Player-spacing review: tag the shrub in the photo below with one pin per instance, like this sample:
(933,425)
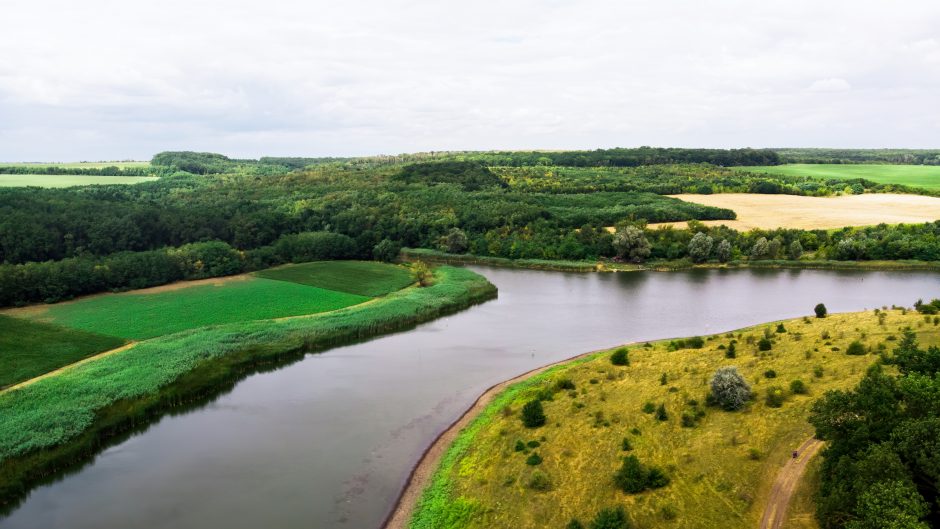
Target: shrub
(540,482)
(775,397)
(729,389)
(855,348)
(664,379)
(770,373)
(532,414)
(649,407)
(695,342)
(520,446)
(564,384)
(533,460)
(781,329)
(688,420)
(574,524)
(611,519)
(633,477)
(620,358)
(731,351)
(626,445)
(820,310)
(661,413)
(533,444)
(764,344)
(818,371)
(798,387)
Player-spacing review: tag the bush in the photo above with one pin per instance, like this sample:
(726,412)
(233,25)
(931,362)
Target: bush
(688,420)
(620,358)
(520,446)
(770,373)
(820,310)
(611,519)
(533,460)
(764,344)
(729,389)
(775,397)
(695,342)
(540,482)
(532,414)
(731,351)
(626,445)
(661,413)
(781,329)
(855,348)
(818,371)
(649,407)
(574,524)
(633,477)
(564,384)
(797,387)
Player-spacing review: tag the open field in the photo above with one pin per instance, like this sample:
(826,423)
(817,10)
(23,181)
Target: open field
(363,278)
(925,176)
(793,211)
(29,349)
(42,180)
(75,165)
(721,466)
(134,315)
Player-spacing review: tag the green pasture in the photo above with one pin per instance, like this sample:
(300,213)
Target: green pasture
(363,278)
(45,180)
(76,165)
(924,176)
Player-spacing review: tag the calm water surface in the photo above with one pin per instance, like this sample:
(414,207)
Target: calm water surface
(328,441)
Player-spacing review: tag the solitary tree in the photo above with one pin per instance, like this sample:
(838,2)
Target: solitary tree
(729,388)
(820,311)
(532,414)
(723,253)
(631,245)
(700,247)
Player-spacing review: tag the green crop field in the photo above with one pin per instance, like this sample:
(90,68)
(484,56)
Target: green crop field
(75,165)
(44,180)
(363,278)
(721,465)
(924,176)
(29,349)
(140,316)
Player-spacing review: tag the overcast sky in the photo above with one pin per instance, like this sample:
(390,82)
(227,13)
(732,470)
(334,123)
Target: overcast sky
(123,79)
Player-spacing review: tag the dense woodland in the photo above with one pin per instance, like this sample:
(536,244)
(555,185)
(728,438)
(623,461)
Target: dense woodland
(895,156)
(59,243)
(882,464)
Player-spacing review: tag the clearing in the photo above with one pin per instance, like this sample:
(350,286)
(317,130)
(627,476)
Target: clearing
(924,176)
(44,180)
(722,465)
(29,349)
(793,211)
(363,278)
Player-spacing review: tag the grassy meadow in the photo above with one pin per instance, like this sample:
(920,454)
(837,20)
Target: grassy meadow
(45,180)
(140,316)
(923,176)
(721,464)
(362,278)
(29,349)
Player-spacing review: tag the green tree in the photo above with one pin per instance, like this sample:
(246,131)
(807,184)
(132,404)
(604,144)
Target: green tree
(729,389)
(820,310)
(620,357)
(386,250)
(795,250)
(731,351)
(455,241)
(700,247)
(533,415)
(631,244)
(760,249)
(723,253)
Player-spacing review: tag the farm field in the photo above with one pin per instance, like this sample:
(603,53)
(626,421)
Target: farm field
(802,212)
(924,176)
(29,349)
(363,278)
(41,180)
(157,311)
(721,465)
(77,165)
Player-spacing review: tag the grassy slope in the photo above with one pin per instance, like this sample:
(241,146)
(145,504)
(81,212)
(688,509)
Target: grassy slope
(56,409)
(141,316)
(925,176)
(363,278)
(481,481)
(24,180)
(29,349)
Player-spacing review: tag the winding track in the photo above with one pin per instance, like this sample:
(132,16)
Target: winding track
(785,485)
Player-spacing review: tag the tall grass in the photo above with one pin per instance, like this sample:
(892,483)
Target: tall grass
(97,400)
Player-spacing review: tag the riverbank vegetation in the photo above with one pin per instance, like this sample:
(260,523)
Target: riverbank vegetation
(61,420)
(652,435)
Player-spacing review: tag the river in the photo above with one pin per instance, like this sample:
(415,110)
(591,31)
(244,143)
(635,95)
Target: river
(328,441)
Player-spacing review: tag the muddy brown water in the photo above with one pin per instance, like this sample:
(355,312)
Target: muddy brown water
(328,441)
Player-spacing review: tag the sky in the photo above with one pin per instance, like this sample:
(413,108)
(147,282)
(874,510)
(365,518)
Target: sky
(114,80)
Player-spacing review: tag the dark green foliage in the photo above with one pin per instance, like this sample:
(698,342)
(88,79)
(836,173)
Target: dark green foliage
(386,250)
(532,414)
(631,244)
(520,446)
(574,524)
(820,310)
(664,379)
(661,413)
(695,342)
(927,308)
(620,357)
(533,460)
(775,397)
(626,445)
(731,351)
(798,387)
(770,373)
(533,444)
(611,519)
(781,329)
(856,348)
(764,344)
(649,407)
(194,162)
(29,349)
(564,384)
(634,478)
(471,176)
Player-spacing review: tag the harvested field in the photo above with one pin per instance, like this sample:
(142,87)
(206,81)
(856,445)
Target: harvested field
(791,211)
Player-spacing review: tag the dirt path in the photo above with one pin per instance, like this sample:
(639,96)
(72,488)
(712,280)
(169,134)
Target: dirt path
(91,358)
(422,473)
(775,513)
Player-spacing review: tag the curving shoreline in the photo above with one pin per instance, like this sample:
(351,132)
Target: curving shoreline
(423,471)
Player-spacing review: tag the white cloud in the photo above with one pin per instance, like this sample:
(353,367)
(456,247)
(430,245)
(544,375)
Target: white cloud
(111,79)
